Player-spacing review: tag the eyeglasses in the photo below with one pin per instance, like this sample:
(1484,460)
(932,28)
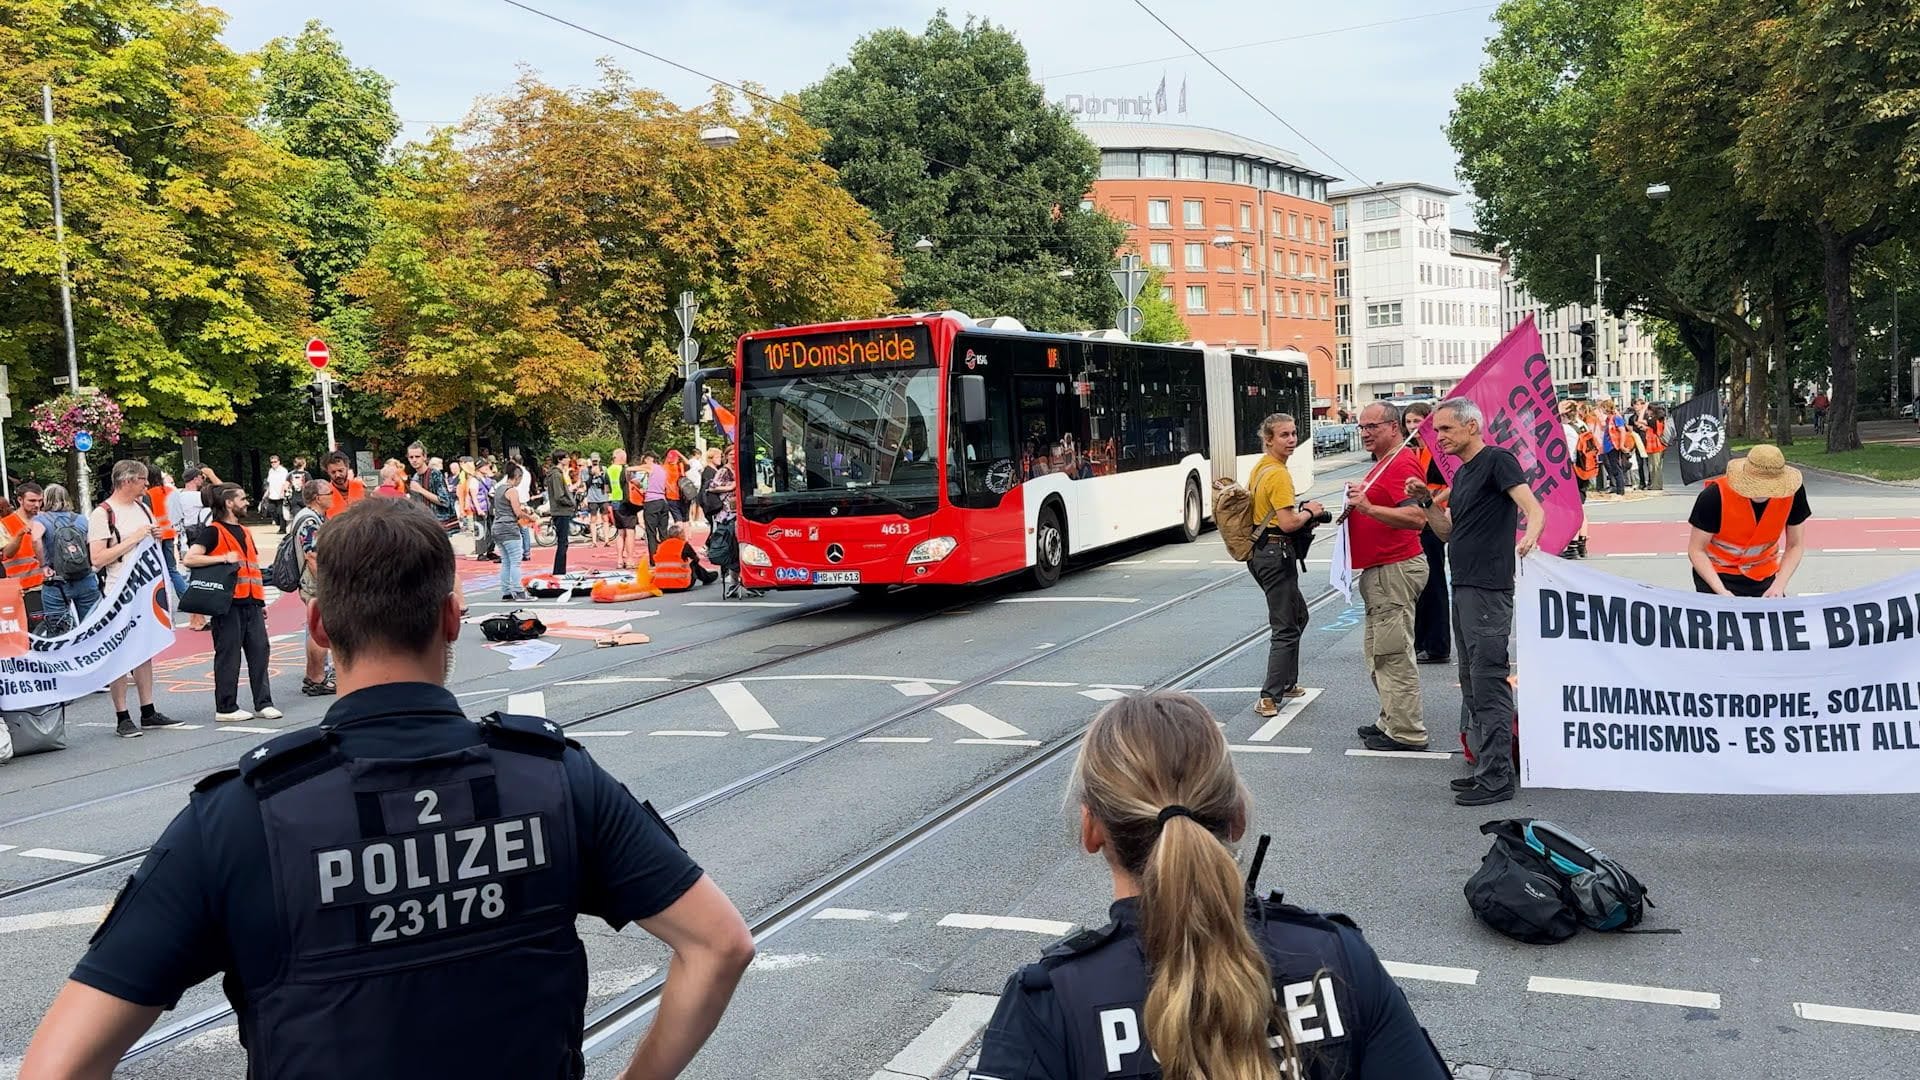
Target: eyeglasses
(1376,424)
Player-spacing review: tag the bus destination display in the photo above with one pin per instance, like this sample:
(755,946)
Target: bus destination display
(846,350)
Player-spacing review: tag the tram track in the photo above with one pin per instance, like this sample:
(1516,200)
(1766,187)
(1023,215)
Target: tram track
(640,1001)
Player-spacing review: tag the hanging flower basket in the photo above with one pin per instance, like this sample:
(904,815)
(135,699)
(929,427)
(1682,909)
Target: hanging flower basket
(55,422)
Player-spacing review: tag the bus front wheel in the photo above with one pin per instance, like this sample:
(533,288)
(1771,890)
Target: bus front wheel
(1049,549)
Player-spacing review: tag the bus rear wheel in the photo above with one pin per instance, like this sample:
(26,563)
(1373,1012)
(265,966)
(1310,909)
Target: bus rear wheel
(1049,549)
(1190,512)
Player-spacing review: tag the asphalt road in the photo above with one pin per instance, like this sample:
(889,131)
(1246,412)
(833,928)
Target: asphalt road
(1776,901)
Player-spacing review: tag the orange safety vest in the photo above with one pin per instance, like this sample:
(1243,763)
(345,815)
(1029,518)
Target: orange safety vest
(1747,546)
(1656,436)
(24,567)
(671,570)
(158,497)
(247,584)
(1425,458)
(1586,455)
(356,490)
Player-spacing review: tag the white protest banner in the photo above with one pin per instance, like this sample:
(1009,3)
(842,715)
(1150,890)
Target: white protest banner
(129,626)
(1625,686)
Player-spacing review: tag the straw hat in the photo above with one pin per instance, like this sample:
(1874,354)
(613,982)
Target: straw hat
(1763,474)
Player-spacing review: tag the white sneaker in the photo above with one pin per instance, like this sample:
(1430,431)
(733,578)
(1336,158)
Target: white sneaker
(234,717)
(269,713)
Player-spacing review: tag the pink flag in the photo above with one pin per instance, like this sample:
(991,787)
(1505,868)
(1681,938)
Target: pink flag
(1514,388)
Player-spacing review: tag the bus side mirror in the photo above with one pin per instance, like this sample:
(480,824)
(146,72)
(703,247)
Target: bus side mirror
(690,402)
(973,399)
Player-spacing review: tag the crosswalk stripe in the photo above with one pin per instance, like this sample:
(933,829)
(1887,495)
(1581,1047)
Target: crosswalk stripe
(742,707)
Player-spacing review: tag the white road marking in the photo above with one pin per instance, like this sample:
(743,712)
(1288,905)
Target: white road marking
(778,737)
(597,734)
(188,727)
(1910,549)
(1289,708)
(783,961)
(898,739)
(1023,682)
(609,981)
(609,679)
(1432,973)
(1836,1014)
(1116,686)
(277,638)
(965,921)
(694,734)
(1848,551)
(1181,562)
(60,855)
(840,914)
(41,920)
(915,689)
(532,703)
(6,847)
(1068,600)
(741,603)
(996,742)
(1102,694)
(1037,648)
(252,730)
(1226,562)
(1416,755)
(1652,995)
(847,678)
(1266,749)
(1128,562)
(742,707)
(980,722)
(480,693)
(1222,690)
(1633,554)
(932,1049)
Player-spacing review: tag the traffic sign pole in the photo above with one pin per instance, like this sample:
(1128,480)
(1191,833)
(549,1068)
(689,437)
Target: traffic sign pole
(326,408)
(1129,279)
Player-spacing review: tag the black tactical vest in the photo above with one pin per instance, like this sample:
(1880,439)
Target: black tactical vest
(1099,980)
(426,911)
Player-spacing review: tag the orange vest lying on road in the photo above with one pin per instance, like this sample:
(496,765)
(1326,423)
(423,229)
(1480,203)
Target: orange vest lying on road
(1745,545)
(247,585)
(24,567)
(671,570)
(612,592)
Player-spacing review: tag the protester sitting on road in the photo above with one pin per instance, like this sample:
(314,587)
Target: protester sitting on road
(509,535)
(1191,979)
(305,531)
(240,631)
(1739,522)
(470,966)
(675,552)
(67,595)
(120,524)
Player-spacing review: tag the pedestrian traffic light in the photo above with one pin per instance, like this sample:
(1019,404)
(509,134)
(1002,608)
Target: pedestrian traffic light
(1589,350)
(315,401)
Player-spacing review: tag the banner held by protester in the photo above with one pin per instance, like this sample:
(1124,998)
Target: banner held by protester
(1626,686)
(129,626)
(1513,386)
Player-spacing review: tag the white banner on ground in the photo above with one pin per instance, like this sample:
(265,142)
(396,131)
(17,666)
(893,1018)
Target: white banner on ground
(1628,687)
(129,626)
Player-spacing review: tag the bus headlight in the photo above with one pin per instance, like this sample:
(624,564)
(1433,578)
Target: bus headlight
(753,556)
(932,550)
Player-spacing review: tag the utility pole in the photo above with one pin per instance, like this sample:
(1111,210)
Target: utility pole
(66,283)
(1600,328)
(1893,364)
(689,307)
(1129,279)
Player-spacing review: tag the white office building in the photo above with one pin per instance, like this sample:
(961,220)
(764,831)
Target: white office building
(1416,302)
(1627,368)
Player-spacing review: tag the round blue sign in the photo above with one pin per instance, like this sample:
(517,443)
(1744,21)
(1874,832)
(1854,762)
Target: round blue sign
(83,441)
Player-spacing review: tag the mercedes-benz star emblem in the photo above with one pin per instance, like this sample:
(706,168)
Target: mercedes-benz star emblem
(834,553)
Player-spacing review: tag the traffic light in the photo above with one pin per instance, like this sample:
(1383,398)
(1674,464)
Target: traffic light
(1589,350)
(1621,332)
(315,401)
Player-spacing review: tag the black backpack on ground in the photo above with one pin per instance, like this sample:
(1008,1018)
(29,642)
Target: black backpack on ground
(1517,891)
(512,626)
(1605,896)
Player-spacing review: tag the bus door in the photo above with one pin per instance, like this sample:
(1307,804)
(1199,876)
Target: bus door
(983,481)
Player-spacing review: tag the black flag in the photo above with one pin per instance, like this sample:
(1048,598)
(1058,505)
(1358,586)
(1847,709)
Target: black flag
(1700,432)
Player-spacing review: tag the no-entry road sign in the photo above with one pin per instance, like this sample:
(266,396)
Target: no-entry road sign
(318,354)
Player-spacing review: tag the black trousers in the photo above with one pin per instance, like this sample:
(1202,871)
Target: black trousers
(656,518)
(562,531)
(1616,462)
(1432,633)
(242,631)
(1274,570)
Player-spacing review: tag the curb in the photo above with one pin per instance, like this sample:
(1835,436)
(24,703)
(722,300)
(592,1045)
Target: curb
(1909,485)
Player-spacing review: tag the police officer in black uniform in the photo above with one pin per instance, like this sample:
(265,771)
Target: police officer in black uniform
(1160,799)
(392,893)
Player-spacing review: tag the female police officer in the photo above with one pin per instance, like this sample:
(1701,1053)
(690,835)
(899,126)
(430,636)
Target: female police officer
(1192,980)
(393,892)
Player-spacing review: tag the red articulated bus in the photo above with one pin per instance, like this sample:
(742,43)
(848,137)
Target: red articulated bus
(934,449)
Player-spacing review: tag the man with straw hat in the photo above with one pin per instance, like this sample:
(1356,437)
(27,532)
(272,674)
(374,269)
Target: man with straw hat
(1739,521)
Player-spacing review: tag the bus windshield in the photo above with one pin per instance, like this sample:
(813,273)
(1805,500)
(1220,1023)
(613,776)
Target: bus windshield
(851,442)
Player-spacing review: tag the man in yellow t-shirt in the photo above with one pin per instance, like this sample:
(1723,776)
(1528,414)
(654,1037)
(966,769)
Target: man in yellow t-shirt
(1272,565)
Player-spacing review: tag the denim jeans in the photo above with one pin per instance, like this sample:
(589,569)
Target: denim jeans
(173,569)
(67,601)
(511,549)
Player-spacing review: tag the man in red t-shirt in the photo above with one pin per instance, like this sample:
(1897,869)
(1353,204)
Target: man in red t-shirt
(1383,536)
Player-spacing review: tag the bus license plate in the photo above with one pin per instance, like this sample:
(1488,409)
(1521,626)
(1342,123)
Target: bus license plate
(836,577)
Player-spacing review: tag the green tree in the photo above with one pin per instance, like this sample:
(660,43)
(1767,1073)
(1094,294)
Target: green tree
(176,209)
(458,334)
(1159,320)
(944,134)
(611,196)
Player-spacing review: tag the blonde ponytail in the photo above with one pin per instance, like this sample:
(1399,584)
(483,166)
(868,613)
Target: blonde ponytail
(1156,773)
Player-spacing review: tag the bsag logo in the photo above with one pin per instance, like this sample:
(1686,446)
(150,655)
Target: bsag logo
(1702,439)
(974,359)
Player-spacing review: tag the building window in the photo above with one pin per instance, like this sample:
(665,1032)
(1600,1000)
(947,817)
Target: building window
(1324,233)
(1383,354)
(1242,172)
(1246,298)
(1246,215)
(1382,240)
(1246,256)
(1086,205)
(1342,322)
(1293,302)
(1293,259)
(1196,256)
(1342,280)
(1383,314)
(1157,166)
(1323,305)
(1220,168)
(1119,164)
(1340,250)
(1376,209)
(1343,356)
(1166,294)
(1340,218)
(1158,211)
(1293,225)
(1193,167)
(1193,212)
(1160,254)
(1196,298)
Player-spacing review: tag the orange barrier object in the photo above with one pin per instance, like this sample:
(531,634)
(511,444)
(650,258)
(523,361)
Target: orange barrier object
(612,592)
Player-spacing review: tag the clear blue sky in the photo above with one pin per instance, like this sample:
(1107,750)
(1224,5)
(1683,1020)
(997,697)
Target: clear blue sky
(1373,96)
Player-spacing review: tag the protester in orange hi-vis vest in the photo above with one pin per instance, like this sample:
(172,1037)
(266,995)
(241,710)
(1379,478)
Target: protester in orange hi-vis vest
(676,565)
(1739,522)
(1584,446)
(347,488)
(1656,448)
(20,550)
(241,631)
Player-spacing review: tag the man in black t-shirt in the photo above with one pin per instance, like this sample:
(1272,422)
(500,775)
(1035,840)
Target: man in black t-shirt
(1739,521)
(1477,516)
(399,873)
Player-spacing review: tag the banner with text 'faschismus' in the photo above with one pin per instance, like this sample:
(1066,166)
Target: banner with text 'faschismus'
(1626,686)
